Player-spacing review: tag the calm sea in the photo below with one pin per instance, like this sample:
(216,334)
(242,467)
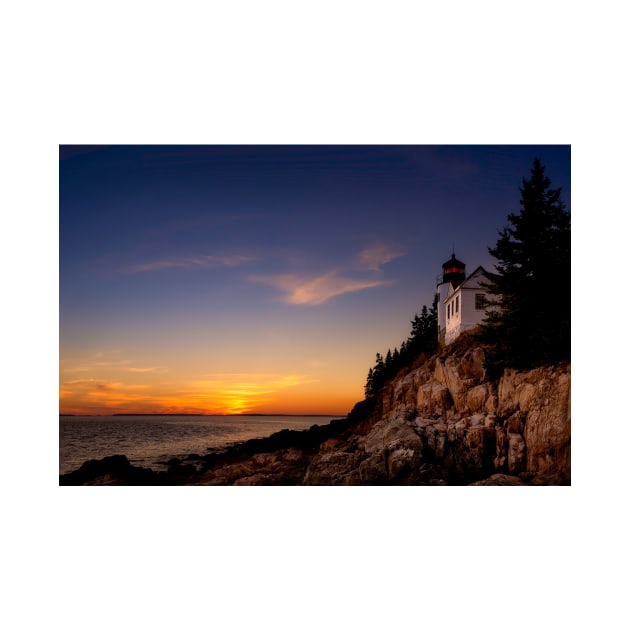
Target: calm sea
(148,440)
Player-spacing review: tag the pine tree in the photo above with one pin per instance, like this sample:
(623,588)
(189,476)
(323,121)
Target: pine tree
(423,336)
(396,358)
(423,339)
(369,384)
(532,286)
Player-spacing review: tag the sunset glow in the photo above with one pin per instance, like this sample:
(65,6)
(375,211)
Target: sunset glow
(116,389)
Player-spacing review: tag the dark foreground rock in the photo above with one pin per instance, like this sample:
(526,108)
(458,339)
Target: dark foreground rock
(441,422)
(116,470)
(109,471)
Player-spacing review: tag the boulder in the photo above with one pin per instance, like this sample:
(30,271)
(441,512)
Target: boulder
(481,399)
(433,398)
(329,468)
(516,453)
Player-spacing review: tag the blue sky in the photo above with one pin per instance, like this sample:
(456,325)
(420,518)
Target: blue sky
(272,273)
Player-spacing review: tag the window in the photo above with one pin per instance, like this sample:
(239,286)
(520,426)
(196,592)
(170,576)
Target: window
(457,304)
(480,301)
(448,311)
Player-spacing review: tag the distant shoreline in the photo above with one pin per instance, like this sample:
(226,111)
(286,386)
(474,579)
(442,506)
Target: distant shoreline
(209,415)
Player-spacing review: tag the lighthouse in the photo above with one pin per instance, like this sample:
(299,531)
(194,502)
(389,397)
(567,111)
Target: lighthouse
(462,302)
(453,274)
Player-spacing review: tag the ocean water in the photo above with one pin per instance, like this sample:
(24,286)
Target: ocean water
(149,440)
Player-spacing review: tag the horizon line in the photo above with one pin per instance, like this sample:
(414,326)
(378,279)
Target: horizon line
(109,415)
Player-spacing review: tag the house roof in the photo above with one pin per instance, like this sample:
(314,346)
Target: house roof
(468,283)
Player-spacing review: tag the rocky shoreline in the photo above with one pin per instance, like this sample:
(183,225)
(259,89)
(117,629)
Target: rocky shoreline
(117,470)
(439,422)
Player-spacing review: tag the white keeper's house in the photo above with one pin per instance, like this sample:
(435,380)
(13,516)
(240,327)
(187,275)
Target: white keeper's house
(462,300)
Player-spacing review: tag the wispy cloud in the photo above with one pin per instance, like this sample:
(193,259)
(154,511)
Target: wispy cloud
(82,381)
(99,385)
(78,368)
(318,289)
(253,379)
(372,258)
(198,262)
(111,363)
(92,364)
(364,271)
(120,366)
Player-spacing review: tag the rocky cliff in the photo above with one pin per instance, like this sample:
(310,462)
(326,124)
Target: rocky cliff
(441,422)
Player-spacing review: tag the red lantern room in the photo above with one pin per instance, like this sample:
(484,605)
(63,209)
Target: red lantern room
(453,271)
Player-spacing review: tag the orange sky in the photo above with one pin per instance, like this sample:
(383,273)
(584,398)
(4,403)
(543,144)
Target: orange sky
(110,384)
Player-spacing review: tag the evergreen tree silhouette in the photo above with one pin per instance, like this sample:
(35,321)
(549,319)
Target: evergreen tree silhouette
(532,286)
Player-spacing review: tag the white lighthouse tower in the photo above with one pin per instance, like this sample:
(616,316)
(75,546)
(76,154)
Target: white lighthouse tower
(453,274)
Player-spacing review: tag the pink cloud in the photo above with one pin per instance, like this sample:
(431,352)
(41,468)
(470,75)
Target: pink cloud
(318,289)
(374,257)
(199,262)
